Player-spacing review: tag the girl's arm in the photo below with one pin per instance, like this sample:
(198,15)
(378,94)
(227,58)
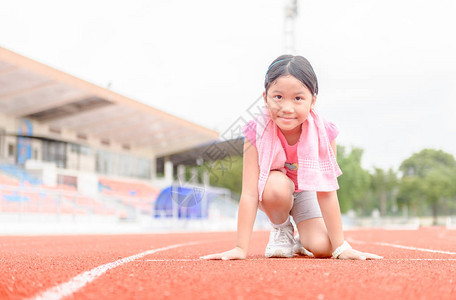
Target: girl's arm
(329,205)
(248,205)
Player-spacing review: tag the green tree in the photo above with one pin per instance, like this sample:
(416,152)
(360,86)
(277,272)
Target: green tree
(383,185)
(354,182)
(226,173)
(428,179)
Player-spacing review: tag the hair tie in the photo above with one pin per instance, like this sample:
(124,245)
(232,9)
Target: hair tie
(277,63)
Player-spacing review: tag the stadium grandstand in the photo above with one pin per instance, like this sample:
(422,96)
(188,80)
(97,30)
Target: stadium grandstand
(72,149)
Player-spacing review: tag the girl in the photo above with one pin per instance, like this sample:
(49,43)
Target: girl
(290,168)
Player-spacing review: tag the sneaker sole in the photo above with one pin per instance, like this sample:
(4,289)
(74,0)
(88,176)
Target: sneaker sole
(279,253)
(302,251)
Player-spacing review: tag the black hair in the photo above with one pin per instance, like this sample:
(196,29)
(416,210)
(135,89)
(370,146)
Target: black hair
(297,66)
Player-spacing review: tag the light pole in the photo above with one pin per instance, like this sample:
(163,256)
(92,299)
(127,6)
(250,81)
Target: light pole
(289,35)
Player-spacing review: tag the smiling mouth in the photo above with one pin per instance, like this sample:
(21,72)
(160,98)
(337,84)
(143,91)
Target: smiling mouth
(286,118)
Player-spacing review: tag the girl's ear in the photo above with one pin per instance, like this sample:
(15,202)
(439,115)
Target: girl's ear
(314,101)
(264,98)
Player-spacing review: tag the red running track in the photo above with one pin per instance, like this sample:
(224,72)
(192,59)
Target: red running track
(418,264)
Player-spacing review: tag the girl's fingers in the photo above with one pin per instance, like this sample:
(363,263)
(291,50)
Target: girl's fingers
(350,254)
(232,257)
(224,256)
(369,255)
(220,256)
(235,253)
(358,255)
(212,256)
(372,256)
(353,257)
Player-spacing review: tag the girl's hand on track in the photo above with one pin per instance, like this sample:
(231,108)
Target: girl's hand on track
(236,253)
(358,255)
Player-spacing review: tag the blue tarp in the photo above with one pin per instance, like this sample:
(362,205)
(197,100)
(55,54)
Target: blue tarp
(188,202)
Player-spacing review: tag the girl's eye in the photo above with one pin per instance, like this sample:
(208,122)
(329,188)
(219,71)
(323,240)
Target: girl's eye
(277,97)
(298,99)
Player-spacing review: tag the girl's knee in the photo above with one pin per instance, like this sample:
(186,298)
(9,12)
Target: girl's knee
(279,188)
(320,247)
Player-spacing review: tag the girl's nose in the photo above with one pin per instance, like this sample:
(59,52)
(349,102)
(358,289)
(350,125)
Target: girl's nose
(288,109)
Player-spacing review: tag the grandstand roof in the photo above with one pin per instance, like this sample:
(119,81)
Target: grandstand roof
(29,89)
(221,150)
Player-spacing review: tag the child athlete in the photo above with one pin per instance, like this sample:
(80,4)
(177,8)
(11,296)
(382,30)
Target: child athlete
(290,168)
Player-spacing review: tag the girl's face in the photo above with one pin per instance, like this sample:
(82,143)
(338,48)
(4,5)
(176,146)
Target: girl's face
(289,103)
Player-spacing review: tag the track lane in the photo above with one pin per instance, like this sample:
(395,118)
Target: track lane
(38,263)
(436,238)
(32,264)
(179,273)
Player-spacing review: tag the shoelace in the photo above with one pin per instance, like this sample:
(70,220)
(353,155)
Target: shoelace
(282,236)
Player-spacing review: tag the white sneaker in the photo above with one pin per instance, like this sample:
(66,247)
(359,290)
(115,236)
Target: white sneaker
(281,241)
(298,248)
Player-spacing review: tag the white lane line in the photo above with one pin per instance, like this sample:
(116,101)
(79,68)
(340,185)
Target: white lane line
(173,259)
(440,259)
(404,247)
(73,285)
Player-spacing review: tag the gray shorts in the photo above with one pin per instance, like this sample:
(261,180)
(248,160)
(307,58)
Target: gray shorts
(305,206)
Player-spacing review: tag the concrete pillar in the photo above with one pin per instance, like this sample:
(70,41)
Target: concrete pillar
(168,171)
(153,169)
(194,175)
(88,184)
(181,174)
(206,178)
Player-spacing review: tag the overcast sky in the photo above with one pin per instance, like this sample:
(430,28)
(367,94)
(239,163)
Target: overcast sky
(386,69)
